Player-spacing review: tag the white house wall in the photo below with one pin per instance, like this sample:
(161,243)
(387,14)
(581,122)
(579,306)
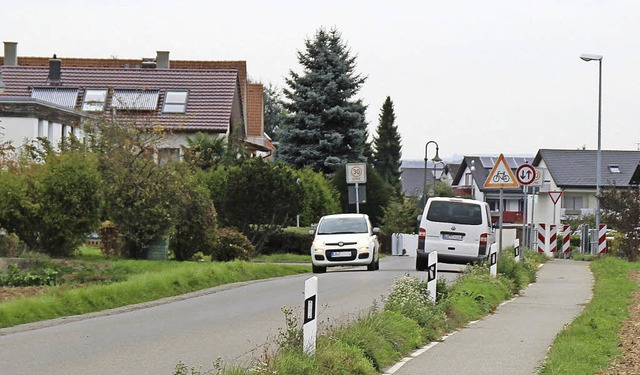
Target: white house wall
(18,130)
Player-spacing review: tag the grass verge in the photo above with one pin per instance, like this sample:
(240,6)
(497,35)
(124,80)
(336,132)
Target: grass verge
(139,281)
(590,342)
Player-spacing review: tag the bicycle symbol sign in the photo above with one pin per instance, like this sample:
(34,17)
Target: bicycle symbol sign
(501,175)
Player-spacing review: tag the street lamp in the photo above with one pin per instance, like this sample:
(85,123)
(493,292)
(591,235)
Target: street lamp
(436,159)
(589,57)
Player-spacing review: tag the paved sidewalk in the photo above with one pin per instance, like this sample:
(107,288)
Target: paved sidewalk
(516,338)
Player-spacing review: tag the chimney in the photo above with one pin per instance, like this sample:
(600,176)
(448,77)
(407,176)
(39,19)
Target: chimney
(54,69)
(10,53)
(162,59)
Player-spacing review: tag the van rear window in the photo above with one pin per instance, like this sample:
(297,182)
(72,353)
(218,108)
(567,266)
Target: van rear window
(455,212)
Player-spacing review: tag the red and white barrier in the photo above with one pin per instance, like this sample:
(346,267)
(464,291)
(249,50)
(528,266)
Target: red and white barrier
(602,239)
(566,239)
(542,238)
(553,238)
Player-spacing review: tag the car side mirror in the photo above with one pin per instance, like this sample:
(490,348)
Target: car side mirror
(375,230)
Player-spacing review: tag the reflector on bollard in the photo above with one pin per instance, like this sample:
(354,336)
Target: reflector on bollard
(516,250)
(493,260)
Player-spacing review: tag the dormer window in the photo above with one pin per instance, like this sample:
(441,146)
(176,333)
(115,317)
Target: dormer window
(614,168)
(175,101)
(94,100)
(135,100)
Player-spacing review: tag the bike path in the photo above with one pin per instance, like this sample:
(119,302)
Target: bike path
(515,339)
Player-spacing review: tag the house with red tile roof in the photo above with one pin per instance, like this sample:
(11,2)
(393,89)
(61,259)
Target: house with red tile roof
(181,97)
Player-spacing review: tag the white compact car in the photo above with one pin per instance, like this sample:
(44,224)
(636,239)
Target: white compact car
(458,229)
(345,240)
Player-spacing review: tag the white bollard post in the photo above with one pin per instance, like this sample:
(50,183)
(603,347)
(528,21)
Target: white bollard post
(493,260)
(310,324)
(516,250)
(432,274)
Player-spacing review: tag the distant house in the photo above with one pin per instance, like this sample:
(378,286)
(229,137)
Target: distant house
(414,176)
(573,172)
(470,179)
(183,97)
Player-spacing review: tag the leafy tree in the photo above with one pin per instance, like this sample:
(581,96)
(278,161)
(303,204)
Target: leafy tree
(193,217)
(70,202)
(327,126)
(204,151)
(378,192)
(138,192)
(52,206)
(388,152)
(621,210)
(320,196)
(257,197)
(274,111)
(400,216)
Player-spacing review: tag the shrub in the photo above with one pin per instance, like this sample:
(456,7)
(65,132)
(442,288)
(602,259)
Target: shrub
(11,246)
(288,242)
(15,277)
(110,239)
(230,244)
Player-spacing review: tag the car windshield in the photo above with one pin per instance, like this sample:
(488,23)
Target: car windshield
(338,225)
(455,212)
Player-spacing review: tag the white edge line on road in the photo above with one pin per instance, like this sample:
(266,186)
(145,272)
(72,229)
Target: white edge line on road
(393,369)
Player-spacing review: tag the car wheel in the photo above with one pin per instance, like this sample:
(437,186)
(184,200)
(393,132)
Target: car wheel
(377,264)
(421,264)
(318,269)
(371,266)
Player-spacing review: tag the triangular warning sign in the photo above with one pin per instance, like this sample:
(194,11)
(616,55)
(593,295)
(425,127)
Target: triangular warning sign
(501,176)
(555,196)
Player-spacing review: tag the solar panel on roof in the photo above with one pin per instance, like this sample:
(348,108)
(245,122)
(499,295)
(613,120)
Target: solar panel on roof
(65,97)
(135,99)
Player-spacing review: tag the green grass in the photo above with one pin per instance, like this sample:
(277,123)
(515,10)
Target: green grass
(283,258)
(590,342)
(143,281)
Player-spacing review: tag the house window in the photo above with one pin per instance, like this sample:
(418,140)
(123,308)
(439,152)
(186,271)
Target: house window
(136,100)
(614,168)
(166,155)
(572,202)
(175,102)
(468,179)
(94,100)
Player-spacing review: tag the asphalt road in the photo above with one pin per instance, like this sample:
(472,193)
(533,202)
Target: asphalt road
(235,323)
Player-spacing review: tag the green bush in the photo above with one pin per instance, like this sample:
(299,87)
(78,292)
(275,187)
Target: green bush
(288,242)
(11,246)
(230,244)
(16,277)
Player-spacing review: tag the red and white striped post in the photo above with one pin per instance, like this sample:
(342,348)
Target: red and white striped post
(553,238)
(542,239)
(602,239)
(566,239)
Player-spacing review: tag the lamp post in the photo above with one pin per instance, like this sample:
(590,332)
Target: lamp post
(590,57)
(436,159)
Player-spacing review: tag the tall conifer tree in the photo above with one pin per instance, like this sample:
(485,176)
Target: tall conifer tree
(387,145)
(326,126)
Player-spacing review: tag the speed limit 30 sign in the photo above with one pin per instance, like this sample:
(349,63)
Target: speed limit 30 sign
(356,173)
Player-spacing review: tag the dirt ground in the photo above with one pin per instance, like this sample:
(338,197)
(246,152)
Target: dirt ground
(9,293)
(629,336)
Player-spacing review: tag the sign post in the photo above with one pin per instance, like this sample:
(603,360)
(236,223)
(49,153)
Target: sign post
(501,176)
(356,173)
(526,175)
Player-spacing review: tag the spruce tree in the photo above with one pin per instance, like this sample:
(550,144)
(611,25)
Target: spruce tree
(387,145)
(326,126)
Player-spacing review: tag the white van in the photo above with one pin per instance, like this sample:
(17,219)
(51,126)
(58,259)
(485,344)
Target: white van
(458,229)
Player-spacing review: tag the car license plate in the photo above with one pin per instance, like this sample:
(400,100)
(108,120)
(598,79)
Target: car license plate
(341,254)
(452,237)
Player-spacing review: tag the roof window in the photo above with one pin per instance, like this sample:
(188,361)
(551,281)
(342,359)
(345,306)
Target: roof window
(614,168)
(175,101)
(94,100)
(140,100)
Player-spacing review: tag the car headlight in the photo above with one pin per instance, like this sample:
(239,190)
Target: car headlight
(318,245)
(363,244)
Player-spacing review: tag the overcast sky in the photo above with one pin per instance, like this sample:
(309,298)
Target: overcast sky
(478,77)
